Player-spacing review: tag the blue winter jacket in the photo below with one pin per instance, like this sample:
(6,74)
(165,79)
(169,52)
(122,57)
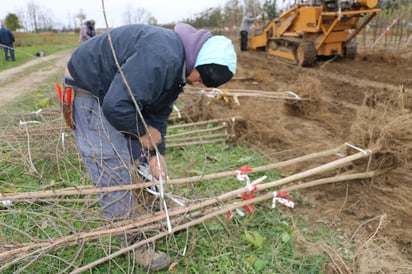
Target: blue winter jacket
(6,36)
(152,60)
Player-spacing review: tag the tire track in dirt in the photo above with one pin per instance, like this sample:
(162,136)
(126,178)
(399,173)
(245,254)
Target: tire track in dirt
(25,78)
(351,80)
(351,73)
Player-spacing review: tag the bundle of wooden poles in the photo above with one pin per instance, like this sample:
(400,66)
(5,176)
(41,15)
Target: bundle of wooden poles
(235,94)
(175,218)
(179,213)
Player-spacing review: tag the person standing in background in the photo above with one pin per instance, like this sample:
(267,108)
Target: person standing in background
(87,31)
(247,22)
(7,42)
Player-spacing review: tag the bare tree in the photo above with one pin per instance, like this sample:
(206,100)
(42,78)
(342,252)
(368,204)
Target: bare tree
(46,22)
(128,14)
(233,14)
(23,19)
(137,16)
(36,18)
(81,16)
(33,11)
(252,6)
(69,20)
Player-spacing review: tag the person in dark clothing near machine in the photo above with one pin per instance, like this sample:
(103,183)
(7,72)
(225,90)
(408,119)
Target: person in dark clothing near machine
(7,42)
(245,28)
(122,103)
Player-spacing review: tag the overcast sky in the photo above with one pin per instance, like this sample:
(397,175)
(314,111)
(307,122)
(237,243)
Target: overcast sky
(165,11)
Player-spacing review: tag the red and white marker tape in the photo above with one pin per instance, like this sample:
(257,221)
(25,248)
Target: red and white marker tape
(282,198)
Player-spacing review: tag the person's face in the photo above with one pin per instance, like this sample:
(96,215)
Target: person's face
(194,78)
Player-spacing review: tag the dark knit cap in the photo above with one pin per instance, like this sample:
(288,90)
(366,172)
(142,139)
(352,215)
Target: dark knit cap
(214,75)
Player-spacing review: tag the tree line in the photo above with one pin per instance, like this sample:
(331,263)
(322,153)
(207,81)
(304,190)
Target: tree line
(35,18)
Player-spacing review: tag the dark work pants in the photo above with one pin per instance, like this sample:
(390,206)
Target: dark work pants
(107,156)
(6,49)
(243,40)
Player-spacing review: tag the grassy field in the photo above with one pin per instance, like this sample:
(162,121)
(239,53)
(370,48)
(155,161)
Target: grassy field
(27,45)
(33,159)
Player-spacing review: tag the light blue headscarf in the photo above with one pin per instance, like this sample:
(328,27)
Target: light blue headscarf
(217,50)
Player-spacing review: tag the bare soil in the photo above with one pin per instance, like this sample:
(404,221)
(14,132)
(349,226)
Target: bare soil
(365,102)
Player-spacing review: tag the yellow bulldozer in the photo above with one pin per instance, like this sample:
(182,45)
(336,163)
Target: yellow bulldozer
(309,30)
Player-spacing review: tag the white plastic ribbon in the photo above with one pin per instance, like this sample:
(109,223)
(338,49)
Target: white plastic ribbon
(5,202)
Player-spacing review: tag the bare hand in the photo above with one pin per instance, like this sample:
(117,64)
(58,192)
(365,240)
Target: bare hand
(151,139)
(158,168)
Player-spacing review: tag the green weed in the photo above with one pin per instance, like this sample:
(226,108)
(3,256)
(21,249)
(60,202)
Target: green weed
(28,45)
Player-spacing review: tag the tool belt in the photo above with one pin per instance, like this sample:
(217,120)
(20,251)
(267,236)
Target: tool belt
(66,97)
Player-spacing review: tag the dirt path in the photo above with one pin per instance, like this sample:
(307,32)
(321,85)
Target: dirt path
(16,81)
